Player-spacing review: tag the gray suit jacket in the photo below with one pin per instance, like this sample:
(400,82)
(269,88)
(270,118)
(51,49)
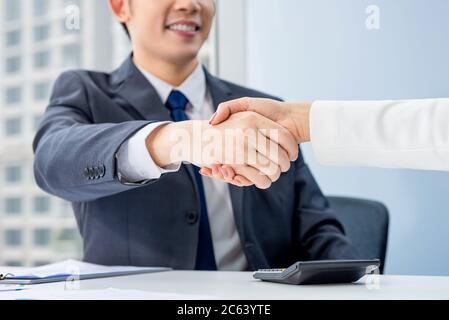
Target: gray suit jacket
(155,223)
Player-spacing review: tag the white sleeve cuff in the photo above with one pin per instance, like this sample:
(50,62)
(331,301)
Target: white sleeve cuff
(135,163)
(326,131)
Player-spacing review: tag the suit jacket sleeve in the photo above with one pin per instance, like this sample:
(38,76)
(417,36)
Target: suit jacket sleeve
(75,159)
(320,235)
(394,134)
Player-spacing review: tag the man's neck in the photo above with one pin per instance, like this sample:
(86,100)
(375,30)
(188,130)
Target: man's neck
(172,73)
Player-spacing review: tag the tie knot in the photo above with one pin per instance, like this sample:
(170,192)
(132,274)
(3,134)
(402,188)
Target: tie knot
(177,101)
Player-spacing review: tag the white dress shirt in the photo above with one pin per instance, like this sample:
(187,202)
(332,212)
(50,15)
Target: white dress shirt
(135,164)
(410,134)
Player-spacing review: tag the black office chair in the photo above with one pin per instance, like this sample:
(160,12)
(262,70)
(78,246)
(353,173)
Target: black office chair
(366,225)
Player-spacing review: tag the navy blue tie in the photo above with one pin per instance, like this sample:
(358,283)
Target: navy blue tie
(205,259)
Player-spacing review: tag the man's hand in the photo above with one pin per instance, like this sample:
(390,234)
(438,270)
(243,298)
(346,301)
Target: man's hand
(251,145)
(292,116)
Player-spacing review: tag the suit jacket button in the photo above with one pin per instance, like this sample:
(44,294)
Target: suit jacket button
(96,173)
(192,217)
(86,173)
(91,173)
(102,171)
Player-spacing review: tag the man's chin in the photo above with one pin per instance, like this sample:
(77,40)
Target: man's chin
(181,58)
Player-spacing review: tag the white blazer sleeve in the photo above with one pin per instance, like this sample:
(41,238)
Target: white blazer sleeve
(393,134)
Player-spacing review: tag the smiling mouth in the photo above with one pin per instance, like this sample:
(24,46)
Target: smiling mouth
(186,27)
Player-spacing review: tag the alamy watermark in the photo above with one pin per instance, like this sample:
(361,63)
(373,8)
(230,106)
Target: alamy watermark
(72,17)
(372,21)
(72,282)
(372,278)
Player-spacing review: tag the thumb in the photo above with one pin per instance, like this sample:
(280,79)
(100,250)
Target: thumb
(226,109)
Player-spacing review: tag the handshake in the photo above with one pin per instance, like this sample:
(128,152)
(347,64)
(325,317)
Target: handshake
(247,142)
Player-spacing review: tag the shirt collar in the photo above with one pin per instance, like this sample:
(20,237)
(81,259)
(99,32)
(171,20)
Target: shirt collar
(194,87)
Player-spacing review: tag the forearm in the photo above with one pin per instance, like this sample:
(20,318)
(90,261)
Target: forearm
(159,145)
(406,134)
(77,161)
(176,142)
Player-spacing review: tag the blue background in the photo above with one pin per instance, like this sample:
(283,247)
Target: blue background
(321,49)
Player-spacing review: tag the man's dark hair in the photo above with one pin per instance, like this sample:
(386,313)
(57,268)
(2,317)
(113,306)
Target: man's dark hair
(126,29)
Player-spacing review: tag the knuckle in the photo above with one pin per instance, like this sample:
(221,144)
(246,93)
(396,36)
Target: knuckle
(275,178)
(285,166)
(245,101)
(296,154)
(265,183)
(283,156)
(265,186)
(278,174)
(251,116)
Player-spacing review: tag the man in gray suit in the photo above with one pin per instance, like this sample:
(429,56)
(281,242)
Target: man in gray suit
(104,144)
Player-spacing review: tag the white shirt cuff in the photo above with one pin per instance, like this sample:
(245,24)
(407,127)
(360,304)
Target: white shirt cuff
(135,163)
(326,130)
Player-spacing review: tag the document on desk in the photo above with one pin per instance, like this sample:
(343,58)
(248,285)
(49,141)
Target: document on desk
(70,270)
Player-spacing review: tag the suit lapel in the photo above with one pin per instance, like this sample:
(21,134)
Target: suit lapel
(220,92)
(131,85)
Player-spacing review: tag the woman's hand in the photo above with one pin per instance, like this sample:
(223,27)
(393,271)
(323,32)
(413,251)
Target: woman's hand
(292,116)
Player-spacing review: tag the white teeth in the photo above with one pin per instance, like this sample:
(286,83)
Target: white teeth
(182,27)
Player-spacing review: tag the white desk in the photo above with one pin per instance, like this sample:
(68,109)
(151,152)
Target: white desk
(241,286)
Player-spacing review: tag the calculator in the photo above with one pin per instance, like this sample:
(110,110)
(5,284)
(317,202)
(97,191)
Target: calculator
(320,272)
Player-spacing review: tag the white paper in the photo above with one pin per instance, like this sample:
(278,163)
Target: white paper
(72,267)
